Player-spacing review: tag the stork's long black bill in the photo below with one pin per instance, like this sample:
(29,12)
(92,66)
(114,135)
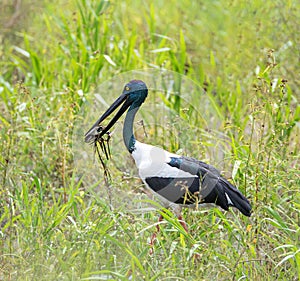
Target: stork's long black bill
(94,131)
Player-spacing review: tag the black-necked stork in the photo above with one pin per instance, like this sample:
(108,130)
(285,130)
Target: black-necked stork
(177,180)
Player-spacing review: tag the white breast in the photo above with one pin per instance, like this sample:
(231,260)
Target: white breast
(152,161)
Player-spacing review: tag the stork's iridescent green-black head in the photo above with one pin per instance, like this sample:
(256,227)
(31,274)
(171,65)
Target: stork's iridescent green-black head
(133,95)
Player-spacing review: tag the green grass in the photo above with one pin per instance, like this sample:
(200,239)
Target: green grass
(57,226)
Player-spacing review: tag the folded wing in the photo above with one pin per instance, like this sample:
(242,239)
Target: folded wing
(211,187)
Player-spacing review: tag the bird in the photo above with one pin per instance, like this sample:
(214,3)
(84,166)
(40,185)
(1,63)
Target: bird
(178,181)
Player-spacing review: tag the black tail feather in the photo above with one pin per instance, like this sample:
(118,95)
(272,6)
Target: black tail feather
(224,194)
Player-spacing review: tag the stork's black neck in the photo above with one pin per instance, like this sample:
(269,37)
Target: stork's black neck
(128,135)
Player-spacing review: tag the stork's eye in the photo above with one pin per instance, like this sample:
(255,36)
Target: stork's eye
(127,88)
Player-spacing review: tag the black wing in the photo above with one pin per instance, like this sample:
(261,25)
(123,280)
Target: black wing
(211,187)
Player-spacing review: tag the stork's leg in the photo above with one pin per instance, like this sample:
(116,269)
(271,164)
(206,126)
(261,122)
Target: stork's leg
(157,230)
(182,222)
(177,211)
(153,237)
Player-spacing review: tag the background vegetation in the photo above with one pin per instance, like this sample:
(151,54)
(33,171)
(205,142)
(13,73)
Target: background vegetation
(245,54)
